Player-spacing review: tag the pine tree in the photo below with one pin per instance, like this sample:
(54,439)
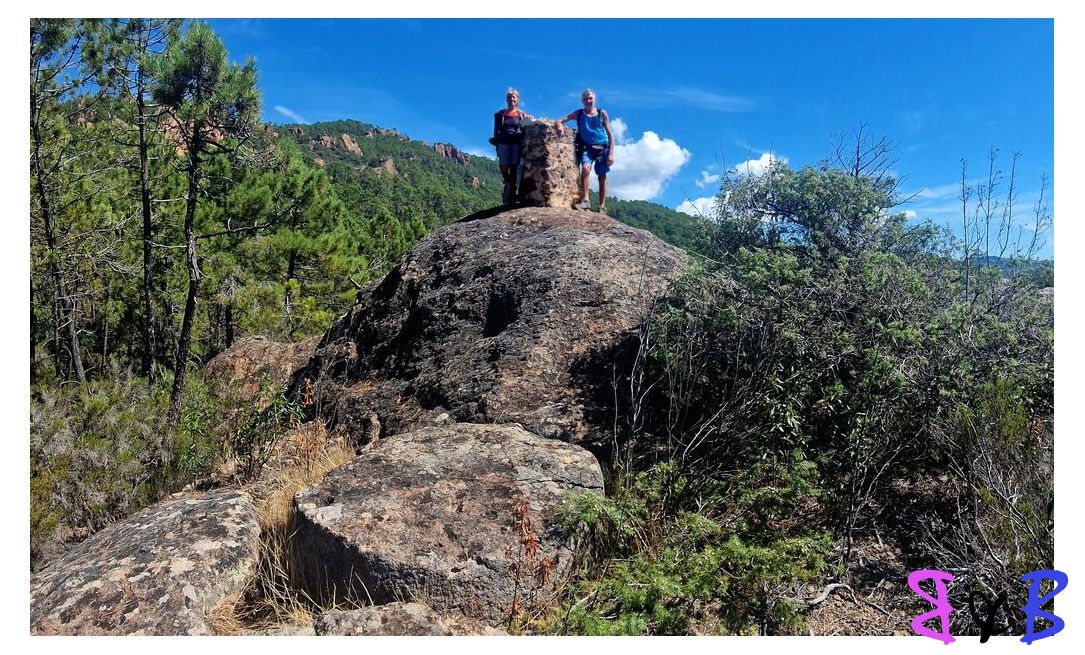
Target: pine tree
(214,106)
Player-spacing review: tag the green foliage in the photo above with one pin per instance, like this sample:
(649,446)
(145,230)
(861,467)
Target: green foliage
(778,391)
(727,560)
(102,451)
(259,426)
(688,232)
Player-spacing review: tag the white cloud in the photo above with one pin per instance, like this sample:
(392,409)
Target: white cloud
(707,178)
(909,214)
(757,167)
(643,167)
(702,207)
(291,114)
(618,128)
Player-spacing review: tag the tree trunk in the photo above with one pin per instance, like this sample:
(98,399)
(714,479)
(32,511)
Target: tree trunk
(147,367)
(66,305)
(229,325)
(194,277)
(105,331)
(33,326)
(288,300)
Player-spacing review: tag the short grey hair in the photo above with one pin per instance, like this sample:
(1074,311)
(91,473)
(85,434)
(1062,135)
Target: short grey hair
(512,91)
(586,92)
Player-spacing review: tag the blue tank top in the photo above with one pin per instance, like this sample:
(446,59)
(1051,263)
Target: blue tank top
(590,128)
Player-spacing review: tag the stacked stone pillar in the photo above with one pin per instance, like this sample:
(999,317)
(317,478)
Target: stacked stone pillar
(550,177)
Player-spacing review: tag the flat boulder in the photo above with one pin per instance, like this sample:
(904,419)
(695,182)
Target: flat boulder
(398,620)
(527,316)
(464,516)
(161,571)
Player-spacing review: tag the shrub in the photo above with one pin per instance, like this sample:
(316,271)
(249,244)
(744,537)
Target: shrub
(101,451)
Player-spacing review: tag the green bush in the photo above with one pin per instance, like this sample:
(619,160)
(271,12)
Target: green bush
(662,561)
(102,451)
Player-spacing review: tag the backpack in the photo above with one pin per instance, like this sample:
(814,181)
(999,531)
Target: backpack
(580,145)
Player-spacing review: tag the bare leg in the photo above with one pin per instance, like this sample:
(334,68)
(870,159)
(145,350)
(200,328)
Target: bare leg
(602,192)
(585,177)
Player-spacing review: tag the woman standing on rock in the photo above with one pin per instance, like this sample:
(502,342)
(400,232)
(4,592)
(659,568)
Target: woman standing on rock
(594,143)
(508,137)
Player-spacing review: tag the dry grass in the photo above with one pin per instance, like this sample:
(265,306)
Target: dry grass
(275,595)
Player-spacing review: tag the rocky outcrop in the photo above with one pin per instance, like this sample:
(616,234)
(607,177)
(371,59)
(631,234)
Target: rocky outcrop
(244,366)
(159,572)
(349,145)
(526,316)
(398,620)
(342,142)
(452,153)
(550,176)
(389,167)
(447,513)
(475,182)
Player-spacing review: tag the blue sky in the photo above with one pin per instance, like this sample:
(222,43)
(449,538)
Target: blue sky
(694,97)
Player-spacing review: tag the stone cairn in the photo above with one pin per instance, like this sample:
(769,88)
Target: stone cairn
(550,177)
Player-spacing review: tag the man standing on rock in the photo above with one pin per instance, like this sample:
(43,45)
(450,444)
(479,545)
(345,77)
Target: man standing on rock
(594,143)
(508,137)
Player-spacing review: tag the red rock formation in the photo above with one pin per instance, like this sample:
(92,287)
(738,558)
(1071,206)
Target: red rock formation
(349,144)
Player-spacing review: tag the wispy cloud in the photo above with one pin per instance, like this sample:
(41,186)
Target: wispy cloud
(938,192)
(618,128)
(702,207)
(291,114)
(707,178)
(677,97)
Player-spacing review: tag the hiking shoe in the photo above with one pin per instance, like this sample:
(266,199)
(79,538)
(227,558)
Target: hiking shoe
(583,204)
(602,209)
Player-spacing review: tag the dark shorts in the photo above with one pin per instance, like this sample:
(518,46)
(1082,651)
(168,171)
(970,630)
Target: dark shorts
(599,156)
(508,154)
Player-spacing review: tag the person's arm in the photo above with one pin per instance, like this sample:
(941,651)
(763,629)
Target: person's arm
(610,138)
(497,125)
(558,123)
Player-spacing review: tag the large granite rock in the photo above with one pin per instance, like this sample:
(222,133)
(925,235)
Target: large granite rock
(445,514)
(243,367)
(526,316)
(551,177)
(399,620)
(159,572)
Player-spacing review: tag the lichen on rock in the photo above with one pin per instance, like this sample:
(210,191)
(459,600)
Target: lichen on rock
(161,571)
